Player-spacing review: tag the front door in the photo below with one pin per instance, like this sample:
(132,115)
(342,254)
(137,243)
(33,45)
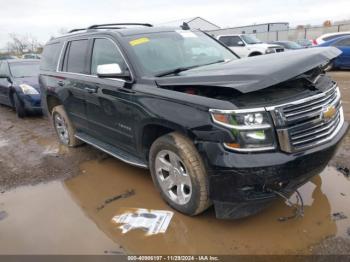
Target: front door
(344,58)
(110,108)
(236,44)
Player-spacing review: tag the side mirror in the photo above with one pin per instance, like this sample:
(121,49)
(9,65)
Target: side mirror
(7,78)
(240,43)
(110,71)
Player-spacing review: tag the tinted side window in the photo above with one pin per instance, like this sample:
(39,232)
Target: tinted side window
(343,42)
(50,57)
(76,57)
(4,69)
(106,52)
(226,40)
(230,40)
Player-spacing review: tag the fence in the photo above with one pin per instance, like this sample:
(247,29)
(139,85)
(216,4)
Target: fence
(291,34)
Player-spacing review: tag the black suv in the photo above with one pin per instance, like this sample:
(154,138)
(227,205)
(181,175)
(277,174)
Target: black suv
(212,128)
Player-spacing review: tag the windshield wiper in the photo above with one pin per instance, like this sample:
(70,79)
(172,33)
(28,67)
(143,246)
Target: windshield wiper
(175,71)
(182,69)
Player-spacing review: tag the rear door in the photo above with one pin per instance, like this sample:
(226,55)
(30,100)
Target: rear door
(110,108)
(344,46)
(75,81)
(4,84)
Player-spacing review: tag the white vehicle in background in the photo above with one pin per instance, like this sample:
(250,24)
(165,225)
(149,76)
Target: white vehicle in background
(329,36)
(248,45)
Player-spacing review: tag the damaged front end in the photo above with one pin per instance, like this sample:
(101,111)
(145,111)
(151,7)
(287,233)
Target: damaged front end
(286,124)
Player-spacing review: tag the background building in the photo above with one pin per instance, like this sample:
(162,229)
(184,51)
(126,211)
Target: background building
(194,22)
(251,29)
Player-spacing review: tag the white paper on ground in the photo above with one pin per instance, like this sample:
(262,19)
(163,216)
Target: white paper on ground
(151,221)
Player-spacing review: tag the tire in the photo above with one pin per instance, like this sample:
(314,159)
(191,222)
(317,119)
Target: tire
(20,110)
(64,128)
(192,197)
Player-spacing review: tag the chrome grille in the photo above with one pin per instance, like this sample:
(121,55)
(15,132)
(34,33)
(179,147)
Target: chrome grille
(304,124)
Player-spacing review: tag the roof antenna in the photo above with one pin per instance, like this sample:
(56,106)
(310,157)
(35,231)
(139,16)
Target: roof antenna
(185,26)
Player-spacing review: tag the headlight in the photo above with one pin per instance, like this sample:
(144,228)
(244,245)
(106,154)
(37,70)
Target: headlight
(252,129)
(28,90)
(270,50)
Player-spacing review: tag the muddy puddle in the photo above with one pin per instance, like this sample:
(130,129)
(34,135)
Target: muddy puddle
(75,217)
(45,220)
(326,195)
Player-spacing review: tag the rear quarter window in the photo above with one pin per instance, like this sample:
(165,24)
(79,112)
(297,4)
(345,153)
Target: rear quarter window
(50,56)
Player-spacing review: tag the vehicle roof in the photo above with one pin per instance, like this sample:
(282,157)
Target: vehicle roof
(335,33)
(336,39)
(122,32)
(283,41)
(18,61)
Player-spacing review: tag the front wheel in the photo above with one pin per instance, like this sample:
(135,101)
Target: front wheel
(64,127)
(179,174)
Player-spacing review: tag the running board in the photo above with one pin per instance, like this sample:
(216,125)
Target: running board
(111,150)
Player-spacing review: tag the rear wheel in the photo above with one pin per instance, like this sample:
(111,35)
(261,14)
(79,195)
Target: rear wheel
(179,173)
(20,110)
(64,127)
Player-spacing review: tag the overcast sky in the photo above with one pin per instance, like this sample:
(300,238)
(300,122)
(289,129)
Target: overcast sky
(44,18)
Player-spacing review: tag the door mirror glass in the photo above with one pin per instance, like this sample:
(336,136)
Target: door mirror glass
(240,43)
(109,70)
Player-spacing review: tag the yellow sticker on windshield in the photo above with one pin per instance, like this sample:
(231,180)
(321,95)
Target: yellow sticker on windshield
(139,41)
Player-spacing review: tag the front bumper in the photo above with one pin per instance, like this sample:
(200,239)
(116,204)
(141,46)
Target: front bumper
(239,183)
(32,103)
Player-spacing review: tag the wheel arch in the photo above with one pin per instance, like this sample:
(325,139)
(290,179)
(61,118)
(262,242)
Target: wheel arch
(255,53)
(152,131)
(51,102)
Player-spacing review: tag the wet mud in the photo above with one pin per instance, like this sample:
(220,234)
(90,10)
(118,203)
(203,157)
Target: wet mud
(45,220)
(325,195)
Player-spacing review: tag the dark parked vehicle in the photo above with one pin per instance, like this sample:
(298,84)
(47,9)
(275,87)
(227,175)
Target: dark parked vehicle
(19,86)
(212,128)
(343,44)
(7,57)
(31,56)
(288,45)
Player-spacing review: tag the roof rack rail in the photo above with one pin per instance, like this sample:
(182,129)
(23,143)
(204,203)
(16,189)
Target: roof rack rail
(104,26)
(76,30)
(108,26)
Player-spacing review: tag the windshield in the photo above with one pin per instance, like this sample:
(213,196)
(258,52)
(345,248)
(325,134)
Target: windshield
(19,70)
(251,39)
(166,51)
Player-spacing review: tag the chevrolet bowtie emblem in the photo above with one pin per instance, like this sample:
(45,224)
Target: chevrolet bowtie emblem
(328,112)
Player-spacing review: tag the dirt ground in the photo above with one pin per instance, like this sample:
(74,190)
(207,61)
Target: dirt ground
(57,196)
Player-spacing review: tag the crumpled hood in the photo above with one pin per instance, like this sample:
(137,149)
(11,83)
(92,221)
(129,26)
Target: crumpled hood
(32,81)
(254,73)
